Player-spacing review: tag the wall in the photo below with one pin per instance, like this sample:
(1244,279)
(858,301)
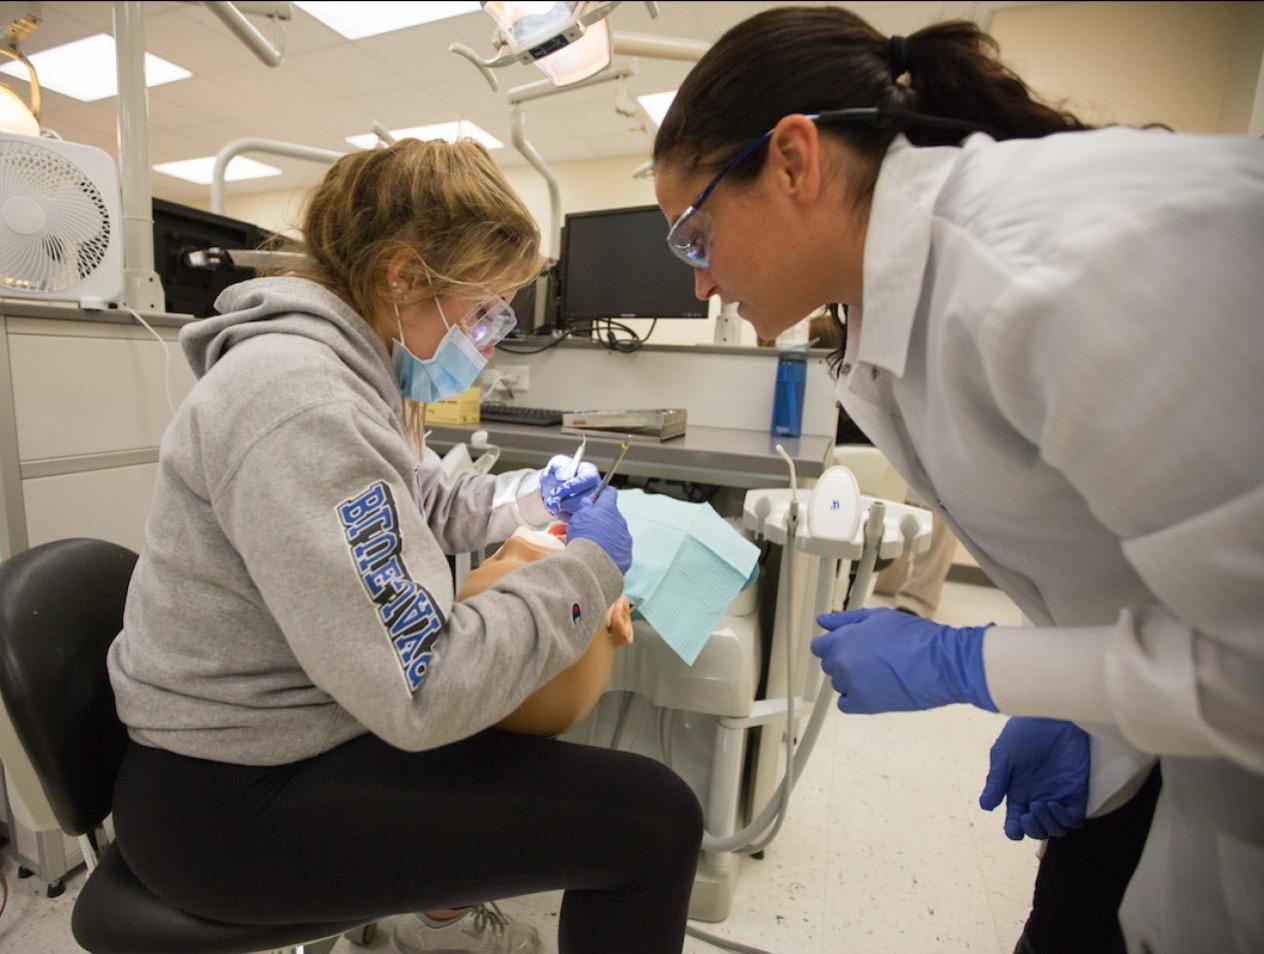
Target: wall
(279,211)
(585,185)
(1192,66)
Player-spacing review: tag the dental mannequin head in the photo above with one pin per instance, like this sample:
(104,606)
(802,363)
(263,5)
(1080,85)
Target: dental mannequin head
(570,695)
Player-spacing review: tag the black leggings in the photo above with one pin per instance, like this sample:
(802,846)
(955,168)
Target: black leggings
(1082,879)
(368,831)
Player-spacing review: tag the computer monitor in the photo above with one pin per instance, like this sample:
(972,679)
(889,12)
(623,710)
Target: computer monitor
(615,264)
(534,303)
(179,229)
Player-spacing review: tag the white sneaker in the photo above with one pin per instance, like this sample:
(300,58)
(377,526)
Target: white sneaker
(483,929)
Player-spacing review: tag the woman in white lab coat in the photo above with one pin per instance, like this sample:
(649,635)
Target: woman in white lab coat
(1054,334)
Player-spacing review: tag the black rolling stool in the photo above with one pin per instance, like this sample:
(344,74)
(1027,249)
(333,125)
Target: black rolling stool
(61,605)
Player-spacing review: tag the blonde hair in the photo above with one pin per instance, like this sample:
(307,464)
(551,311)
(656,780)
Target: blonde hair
(446,202)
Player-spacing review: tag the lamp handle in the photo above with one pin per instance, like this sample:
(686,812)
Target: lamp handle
(482,65)
(17,54)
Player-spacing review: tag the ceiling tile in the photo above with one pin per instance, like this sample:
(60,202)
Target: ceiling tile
(473,29)
(259,87)
(214,136)
(399,109)
(100,16)
(171,146)
(166,115)
(348,69)
(470,98)
(674,19)
(337,118)
(56,28)
(69,117)
(304,32)
(567,150)
(421,54)
(201,95)
(196,40)
(546,122)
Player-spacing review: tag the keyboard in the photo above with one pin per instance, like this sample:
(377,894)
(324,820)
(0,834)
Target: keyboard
(513,414)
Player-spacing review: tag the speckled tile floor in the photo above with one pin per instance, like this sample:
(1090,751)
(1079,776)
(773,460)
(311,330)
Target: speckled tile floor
(885,850)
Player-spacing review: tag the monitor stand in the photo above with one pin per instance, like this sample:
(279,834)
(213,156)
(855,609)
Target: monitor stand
(728,326)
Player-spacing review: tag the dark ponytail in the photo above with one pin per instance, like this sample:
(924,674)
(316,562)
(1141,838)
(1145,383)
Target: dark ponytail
(809,59)
(954,73)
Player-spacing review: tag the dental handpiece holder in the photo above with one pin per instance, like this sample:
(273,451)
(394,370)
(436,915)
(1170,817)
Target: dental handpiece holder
(834,525)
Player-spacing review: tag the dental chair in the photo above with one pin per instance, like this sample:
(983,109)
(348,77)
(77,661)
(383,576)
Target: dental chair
(61,605)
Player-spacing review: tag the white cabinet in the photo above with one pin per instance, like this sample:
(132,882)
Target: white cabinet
(83,405)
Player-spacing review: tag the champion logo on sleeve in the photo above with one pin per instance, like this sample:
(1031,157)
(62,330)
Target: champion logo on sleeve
(408,613)
(576,613)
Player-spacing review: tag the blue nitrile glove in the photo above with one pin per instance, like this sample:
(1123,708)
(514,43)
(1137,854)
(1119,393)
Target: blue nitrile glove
(881,660)
(602,523)
(1040,767)
(562,489)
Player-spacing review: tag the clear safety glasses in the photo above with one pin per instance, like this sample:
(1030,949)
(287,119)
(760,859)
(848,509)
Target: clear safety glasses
(489,322)
(690,236)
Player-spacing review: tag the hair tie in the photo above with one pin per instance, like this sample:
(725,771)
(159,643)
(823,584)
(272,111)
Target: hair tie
(899,57)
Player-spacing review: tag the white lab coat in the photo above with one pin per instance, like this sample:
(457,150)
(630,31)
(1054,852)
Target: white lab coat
(1062,349)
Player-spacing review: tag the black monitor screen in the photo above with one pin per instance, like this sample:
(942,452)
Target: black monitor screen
(179,229)
(615,264)
(525,308)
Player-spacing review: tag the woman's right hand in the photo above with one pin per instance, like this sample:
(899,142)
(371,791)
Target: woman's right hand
(601,522)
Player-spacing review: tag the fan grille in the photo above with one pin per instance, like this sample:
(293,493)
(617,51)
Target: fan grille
(72,240)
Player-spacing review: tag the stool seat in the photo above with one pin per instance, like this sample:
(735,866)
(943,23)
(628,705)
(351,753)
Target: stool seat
(116,914)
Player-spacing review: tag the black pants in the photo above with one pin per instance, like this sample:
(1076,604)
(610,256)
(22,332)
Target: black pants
(1082,879)
(367,830)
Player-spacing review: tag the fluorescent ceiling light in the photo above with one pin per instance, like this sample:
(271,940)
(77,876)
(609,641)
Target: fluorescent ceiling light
(361,19)
(657,104)
(460,129)
(85,69)
(199,170)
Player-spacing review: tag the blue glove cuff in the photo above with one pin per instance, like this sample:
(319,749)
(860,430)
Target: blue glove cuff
(974,688)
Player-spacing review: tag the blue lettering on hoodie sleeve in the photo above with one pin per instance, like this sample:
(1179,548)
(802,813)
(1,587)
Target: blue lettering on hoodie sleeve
(408,613)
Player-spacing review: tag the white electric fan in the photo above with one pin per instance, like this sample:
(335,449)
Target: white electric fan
(61,230)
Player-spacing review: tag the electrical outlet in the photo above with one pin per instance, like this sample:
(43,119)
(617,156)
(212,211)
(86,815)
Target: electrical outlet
(517,376)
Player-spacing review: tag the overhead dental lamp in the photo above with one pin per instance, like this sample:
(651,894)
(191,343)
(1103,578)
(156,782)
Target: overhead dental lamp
(569,41)
(15,115)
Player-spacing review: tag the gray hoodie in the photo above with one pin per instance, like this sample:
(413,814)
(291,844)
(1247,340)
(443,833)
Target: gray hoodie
(293,591)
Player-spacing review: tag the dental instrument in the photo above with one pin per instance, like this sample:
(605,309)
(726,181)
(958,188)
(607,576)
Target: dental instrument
(579,456)
(623,449)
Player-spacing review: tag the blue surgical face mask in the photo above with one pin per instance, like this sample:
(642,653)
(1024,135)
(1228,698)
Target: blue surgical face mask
(455,366)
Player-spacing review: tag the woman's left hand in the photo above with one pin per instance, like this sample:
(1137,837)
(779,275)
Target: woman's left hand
(881,660)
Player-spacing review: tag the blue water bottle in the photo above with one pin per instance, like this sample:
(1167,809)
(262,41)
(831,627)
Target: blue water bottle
(787,405)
